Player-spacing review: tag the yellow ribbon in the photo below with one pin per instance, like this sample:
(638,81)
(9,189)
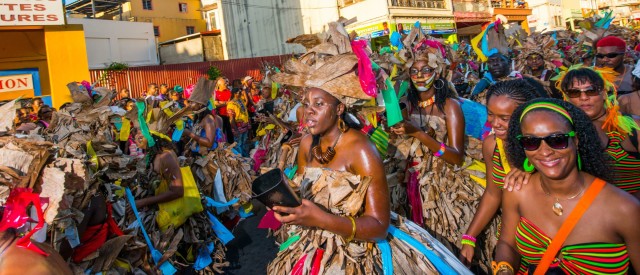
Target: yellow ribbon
(93,157)
(125,130)
(503,156)
(162,136)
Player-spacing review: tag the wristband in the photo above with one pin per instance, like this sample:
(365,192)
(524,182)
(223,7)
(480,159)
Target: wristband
(353,230)
(468,242)
(468,237)
(440,152)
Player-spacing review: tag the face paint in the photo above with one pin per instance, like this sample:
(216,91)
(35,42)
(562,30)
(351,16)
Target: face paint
(427,84)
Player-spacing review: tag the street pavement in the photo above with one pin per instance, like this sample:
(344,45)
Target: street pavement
(251,251)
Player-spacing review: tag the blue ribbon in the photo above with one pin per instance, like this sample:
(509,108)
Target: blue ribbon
(204,257)
(177,134)
(166,267)
(221,231)
(440,265)
(387,263)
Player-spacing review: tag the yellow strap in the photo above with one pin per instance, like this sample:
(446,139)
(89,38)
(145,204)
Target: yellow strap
(93,157)
(503,156)
(125,129)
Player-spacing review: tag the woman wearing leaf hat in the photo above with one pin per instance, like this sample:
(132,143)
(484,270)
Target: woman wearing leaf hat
(345,198)
(441,191)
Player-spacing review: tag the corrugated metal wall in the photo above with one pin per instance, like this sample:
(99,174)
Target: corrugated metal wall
(136,79)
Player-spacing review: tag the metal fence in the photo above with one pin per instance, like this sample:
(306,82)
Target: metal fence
(136,79)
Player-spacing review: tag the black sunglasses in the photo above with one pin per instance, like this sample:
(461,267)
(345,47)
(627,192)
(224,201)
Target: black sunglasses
(555,141)
(591,91)
(608,55)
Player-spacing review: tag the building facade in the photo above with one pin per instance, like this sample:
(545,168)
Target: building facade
(253,28)
(170,18)
(376,19)
(546,15)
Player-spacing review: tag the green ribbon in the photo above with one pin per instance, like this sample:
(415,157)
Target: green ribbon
(144,128)
(292,239)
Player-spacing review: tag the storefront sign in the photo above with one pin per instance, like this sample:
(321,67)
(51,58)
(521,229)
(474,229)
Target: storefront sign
(23,83)
(372,31)
(433,28)
(31,12)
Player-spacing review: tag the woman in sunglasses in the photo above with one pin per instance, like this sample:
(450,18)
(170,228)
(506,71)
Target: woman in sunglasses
(502,99)
(587,89)
(559,141)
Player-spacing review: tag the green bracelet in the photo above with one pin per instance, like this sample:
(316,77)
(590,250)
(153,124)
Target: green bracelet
(468,242)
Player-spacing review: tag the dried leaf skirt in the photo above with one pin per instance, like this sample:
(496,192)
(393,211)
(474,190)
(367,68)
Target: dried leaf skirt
(341,193)
(447,195)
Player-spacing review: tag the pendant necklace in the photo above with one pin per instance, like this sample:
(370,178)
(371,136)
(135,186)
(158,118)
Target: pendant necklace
(325,157)
(557,207)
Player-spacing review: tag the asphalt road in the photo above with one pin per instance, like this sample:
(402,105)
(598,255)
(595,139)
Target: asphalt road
(251,251)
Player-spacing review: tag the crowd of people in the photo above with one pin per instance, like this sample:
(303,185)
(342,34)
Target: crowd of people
(519,153)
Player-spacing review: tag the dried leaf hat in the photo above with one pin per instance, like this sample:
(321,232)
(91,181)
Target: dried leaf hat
(538,44)
(330,66)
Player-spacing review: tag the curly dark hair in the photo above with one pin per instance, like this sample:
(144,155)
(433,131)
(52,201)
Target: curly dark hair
(519,90)
(593,156)
(582,75)
(446,91)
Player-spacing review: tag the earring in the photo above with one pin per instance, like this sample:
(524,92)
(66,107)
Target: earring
(579,162)
(342,126)
(441,85)
(527,166)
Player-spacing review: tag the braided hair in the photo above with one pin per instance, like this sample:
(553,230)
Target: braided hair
(519,90)
(593,156)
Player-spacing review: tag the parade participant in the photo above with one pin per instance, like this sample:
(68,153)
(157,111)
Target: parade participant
(222,96)
(502,99)
(345,198)
(630,103)
(152,91)
(538,59)
(207,133)
(610,52)
(538,236)
(432,139)
(495,50)
(177,98)
(164,91)
(587,89)
(239,118)
(124,93)
(36,104)
(19,260)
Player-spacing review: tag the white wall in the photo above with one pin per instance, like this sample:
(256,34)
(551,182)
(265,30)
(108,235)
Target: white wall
(253,28)
(366,12)
(110,41)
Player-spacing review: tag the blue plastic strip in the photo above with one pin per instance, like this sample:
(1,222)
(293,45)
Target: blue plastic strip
(387,263)
(204,257)
(165,267)
(440,265)
(177,134)
(212,203)
(244,214)
(221,231)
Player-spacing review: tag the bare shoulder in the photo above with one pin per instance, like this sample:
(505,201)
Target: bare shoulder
(489,143)
(620,201)
(452,104)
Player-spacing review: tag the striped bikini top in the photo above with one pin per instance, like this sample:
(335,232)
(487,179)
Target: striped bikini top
(626,165)
(500,167)
(587,258)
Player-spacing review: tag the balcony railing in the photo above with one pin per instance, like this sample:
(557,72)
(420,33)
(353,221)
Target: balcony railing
(509,4)
(466,6)
(344,3)
(425,4)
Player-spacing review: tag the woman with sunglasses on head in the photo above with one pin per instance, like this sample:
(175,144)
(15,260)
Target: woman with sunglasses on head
(567,220)
(432,140)
(502,99)
(587,89)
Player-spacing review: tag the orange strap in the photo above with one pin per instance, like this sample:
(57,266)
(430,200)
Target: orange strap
(567,226)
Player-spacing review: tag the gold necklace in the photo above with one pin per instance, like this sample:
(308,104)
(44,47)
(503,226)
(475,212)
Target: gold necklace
(557,207)
(325,157)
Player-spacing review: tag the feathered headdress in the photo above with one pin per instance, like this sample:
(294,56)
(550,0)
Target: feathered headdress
(491,40)
(614,121)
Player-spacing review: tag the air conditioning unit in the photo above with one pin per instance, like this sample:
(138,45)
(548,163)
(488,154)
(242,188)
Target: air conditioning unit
(133,19)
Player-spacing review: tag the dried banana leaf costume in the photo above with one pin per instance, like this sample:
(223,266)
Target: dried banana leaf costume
(443,197)
(330,66)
